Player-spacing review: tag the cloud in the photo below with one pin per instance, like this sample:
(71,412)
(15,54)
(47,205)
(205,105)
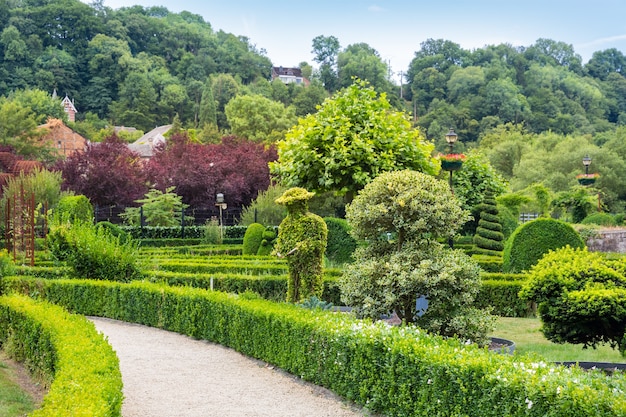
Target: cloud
(602,41)
(376,9)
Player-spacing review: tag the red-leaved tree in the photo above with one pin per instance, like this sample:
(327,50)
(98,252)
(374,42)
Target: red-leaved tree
(235,167)
(108,173)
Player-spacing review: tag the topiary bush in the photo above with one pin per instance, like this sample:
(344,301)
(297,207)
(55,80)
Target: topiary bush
(601,219)
(489,236)
(390,274)
(531,241)
(252,239)
(580,296)
(341,244)
(267,243)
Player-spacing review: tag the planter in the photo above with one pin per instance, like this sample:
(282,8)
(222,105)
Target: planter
(451,165)
(607,367)
(503,346)
(586,181)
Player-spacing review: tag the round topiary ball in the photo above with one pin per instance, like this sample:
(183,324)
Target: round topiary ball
(534,239)
(602,219)
(252,239)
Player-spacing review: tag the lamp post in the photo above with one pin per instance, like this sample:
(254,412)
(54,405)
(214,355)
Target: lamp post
(451,138)
(219,201)
(586,163)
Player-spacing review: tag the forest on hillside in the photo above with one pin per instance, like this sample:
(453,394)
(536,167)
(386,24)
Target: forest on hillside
(533,111)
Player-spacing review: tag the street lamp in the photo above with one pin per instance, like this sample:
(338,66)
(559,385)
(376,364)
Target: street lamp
(219,201)
(451,138)
(586,163)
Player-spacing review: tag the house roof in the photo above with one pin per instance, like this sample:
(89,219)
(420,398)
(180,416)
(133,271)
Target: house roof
(144,146)
(62,138)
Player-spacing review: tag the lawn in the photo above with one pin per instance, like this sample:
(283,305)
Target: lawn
(529,339)
(14,401)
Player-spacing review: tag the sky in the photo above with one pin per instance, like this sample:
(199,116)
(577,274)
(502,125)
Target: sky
(396,28)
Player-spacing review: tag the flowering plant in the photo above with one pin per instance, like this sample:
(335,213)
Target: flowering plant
(594,175)
(452,157)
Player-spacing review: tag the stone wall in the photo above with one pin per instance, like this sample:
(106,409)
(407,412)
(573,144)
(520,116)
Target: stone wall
(609,240)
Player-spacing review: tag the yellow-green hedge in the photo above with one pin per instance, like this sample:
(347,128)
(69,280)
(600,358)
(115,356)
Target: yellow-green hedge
(395,371)
(65,351)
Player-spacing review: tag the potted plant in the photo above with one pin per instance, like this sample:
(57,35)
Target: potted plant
(452,161)
(587,179)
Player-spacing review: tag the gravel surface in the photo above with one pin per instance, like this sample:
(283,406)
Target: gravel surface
(166,374)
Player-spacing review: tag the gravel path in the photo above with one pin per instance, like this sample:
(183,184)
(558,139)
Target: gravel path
(166,374)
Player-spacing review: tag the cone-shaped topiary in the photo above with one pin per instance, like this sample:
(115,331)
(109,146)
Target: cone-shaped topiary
(489,237)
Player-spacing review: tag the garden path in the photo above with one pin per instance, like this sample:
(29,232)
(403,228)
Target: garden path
(166,374)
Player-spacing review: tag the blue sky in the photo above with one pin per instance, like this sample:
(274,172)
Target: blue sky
(396,28)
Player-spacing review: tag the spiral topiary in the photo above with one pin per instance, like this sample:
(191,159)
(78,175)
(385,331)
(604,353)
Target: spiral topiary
(489,237)
(532,240)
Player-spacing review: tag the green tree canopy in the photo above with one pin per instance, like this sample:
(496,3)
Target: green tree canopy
(353,138)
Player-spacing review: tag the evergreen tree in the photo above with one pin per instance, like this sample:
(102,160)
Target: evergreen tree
(208,113)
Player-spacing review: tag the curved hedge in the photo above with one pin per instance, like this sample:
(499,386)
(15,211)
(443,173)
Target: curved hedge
(396,371)
(67,353)
(534,239)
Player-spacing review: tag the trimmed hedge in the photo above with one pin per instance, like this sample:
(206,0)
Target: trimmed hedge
(396,371)
(176,232)
(67,353)
(269,287)
(503,297)
(534,239)
(340,244)
(252,239)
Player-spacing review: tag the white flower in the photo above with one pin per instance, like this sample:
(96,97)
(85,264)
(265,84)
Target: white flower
(558,390)
(430,381)
(530,403)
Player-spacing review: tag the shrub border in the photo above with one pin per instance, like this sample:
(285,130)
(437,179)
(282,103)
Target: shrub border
(393,370)
(67,353)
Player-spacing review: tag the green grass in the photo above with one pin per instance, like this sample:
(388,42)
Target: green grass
(529,339)
(14,401)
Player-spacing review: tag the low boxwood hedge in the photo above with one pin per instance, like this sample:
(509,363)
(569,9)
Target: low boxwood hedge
(65,352)
(396,371)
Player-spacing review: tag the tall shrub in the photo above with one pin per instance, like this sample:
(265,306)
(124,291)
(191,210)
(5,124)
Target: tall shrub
(391,275)
(73,208)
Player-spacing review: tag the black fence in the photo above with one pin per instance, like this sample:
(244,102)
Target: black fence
(229,217)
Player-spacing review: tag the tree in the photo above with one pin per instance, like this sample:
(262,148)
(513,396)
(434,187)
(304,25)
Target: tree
(236,167)
(363,62)
(325,49)
(259,119)
(207,115)
(392,271)
(353,138)
(158,209)
(108,173)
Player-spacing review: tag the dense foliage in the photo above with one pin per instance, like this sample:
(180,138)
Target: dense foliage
(108,173)
(341,245)
(302,238)
(252,239)
(391,273)
(581,297)
(388,369)
(532,240)
(235,167)
(66,353)
(354,137)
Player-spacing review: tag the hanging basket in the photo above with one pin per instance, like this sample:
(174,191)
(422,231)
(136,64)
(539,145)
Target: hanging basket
(586,181)
(451,165)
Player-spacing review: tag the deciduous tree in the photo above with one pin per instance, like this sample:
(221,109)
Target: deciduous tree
(353,138)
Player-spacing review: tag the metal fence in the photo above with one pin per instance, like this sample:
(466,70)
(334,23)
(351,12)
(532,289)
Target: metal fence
(230,216)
